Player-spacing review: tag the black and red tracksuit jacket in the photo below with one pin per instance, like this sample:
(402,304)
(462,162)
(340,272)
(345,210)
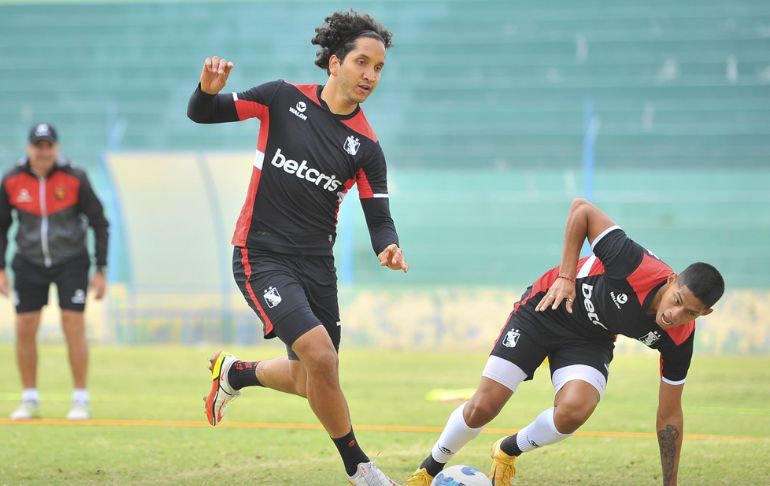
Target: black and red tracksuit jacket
(53,214)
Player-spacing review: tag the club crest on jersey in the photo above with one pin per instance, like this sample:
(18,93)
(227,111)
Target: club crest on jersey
(511,338)
(650,338)
(351,145)
(272,297)
(299,110)
(60,192)
(23,196)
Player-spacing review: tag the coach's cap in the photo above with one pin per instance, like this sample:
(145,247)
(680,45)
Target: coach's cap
(43,131)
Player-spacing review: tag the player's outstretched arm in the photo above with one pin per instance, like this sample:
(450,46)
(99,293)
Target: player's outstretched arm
(206,105)
(583,221)
(670,429)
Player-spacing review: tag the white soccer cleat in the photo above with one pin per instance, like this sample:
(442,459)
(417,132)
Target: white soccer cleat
(221,392)
(368,474)
(28,409)
(79,411)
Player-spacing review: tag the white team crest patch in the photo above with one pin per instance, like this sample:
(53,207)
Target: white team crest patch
(650,338)
(511,338)
(79,297)
(351,145)
(272,297)
(24,196)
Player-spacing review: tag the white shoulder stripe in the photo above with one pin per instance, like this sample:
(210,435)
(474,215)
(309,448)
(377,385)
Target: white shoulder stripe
(235,96)
(380,195)
(259,159)
(586,268)
(603,234)
(672,382)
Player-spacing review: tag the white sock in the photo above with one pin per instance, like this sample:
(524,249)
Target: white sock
(30,394)
(539,433)
(455,435)
(80,395)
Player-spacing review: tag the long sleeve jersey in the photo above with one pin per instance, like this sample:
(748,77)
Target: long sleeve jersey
(307,158)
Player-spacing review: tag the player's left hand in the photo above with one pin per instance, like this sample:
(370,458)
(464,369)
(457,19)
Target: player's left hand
(562,290)
(393,258)
(98,285)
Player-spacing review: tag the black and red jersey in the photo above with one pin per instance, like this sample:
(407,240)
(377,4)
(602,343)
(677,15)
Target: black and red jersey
(615,287)
(307,159)
(51,212)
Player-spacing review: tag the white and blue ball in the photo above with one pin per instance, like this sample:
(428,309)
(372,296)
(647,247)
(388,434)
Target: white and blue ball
(461,475)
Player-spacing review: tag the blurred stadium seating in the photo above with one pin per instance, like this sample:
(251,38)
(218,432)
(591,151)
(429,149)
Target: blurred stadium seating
(482,113)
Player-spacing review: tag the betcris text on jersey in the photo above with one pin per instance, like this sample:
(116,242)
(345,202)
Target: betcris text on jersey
(303,171)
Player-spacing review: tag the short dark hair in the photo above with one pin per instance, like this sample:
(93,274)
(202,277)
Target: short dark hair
(704,281)
(337,35)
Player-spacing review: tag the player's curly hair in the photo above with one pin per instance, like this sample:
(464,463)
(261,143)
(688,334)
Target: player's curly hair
(337,35)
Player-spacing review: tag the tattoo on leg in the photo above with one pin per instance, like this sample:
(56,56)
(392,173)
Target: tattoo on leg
(667,441)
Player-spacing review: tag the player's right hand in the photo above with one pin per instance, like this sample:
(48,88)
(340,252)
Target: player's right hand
(562,290)
(214,74)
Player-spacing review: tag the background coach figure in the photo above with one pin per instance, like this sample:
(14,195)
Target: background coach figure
(52,200)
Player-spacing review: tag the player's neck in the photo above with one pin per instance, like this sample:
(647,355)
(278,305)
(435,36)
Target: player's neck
(336,101)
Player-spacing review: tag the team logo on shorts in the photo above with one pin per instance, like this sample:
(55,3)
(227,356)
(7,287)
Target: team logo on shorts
(511,338)
(650,338)
(351,145)
(272,297)
(79,297)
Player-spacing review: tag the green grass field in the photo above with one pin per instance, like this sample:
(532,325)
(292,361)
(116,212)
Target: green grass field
(727,422)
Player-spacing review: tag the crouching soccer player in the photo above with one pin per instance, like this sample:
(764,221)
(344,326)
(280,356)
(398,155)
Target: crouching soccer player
(571,315)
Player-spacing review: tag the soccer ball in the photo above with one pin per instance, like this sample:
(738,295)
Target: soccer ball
(461,476)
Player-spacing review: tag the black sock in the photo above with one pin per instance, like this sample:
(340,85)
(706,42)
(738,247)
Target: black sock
(510,446)
(243,373)
(350,451)
(432,466)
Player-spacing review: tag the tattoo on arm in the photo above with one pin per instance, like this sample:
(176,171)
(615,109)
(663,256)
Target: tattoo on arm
(667,441)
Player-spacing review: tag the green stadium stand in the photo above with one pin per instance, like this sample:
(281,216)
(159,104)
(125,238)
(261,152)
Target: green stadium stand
(481,114)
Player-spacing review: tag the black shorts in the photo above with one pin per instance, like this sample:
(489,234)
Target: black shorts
(32,282)
(526,344)
(290,294)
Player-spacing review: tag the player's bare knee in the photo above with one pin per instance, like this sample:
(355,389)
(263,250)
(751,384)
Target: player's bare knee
(570,415)
(479,412)
(321,362)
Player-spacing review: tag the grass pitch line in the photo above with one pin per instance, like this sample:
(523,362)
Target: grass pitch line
(308,426)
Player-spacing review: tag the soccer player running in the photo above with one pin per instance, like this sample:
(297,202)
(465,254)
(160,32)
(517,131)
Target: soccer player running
(571,315)
(314,144)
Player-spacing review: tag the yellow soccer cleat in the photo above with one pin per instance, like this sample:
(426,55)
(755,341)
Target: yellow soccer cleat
(221,392)
(503,470)
(419,478)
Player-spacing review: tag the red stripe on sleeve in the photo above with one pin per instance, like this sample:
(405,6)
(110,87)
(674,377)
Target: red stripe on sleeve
(247,268)
(364,188)
(264,131)
(250,109)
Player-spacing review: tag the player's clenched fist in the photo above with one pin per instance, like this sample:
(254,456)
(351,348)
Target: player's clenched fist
(214,74)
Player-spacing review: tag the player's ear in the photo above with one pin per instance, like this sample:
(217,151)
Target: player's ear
(671,278)
(707,312)
(334,65)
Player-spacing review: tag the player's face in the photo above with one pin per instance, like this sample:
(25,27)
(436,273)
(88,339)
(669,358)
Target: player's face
(42,155)
(360,71)
(678,306)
